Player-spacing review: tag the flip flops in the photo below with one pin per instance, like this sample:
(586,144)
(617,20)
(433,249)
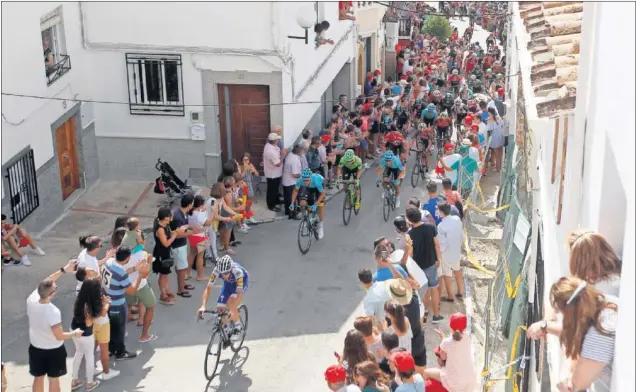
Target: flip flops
(184,294)
(150,339)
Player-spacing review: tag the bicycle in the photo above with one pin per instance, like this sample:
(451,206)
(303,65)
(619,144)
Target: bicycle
(390,198)
(350,201)
(308,226)
(225,340)
(421,167)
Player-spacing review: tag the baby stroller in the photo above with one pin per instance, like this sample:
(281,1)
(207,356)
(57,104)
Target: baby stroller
(169,183)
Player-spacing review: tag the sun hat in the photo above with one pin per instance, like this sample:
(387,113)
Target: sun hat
(404,361)
(458,322)
(335,374)
(466,142)
(273,136)
(399,291)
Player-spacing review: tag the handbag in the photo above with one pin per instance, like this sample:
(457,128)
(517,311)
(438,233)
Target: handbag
(167,263)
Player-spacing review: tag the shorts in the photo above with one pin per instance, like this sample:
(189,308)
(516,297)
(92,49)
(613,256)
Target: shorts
(228,290)
(144,295)
(392,173)
(433,280)
(180,256)
(424,143)
(102,333)
(447,268)
(428,121)
(363,143)
(442,132)
(308,194)
(51,363)
(348,173)
(22,242)
(432,385)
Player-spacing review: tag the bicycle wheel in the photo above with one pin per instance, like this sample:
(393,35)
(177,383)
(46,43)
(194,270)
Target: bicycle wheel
(415,174)
(393,199)
(304,235)
(314,228)
(386,206)
(357,210)
(210,364)
(346,206)
(236,345)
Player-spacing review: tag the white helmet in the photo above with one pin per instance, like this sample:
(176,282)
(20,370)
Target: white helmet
(224,264)
(455,72)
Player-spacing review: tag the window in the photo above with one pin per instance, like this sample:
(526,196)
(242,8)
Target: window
(155,84)
(56,61)
(23,186)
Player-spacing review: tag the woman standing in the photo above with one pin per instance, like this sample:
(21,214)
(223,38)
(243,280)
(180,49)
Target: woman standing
(163,262)
(198,216)
(399,324)
(248,170)
(494,125)
(88,306)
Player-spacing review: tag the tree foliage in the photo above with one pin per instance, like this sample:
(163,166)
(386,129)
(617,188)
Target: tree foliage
(437,26)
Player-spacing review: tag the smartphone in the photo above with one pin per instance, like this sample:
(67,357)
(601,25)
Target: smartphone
(335,353)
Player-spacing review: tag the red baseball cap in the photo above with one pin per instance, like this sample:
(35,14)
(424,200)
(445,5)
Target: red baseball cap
(325,138)
(458,322)
(449,147)
(335,374)
(468,120)
(370,77)
(474,127)
(409,73)
(403,361)
(367,106)
(500,91)
(403,77)
(377,72)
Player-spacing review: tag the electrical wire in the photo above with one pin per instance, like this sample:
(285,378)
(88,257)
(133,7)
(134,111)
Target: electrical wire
(420,13)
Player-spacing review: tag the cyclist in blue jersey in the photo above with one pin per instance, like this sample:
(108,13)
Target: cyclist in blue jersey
(312,192)
(235,281)
(429,115)
(394,170)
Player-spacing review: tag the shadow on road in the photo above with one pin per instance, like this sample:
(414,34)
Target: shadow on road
(231,377)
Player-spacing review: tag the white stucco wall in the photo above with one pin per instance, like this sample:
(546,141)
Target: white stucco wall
(23,73)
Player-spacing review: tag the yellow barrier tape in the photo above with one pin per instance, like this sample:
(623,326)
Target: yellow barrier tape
(481,195)
(471,259)
(474,207)
(509,374)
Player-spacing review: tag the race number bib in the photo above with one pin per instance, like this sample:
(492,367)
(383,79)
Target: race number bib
(106,277)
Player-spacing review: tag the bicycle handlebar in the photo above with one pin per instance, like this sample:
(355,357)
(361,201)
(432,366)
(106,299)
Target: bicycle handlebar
(215,312)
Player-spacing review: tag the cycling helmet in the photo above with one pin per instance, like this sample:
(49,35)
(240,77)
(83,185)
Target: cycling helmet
(455,72)
(431,106)
(473,77)
(388,155)
(306,174)
(489,70)
(437,93)
(499,76)
(449,96)
(400,224)
(348,156)
(444,114)
(458,101)
(224,264)
(418,101)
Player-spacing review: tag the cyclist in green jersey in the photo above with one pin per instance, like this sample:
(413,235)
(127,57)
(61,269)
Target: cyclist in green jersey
(351,165)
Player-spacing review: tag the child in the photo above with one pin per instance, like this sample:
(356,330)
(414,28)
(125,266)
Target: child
(453,197)
(390,341)
(132,237)
(248,170)
(198,216)
(241,199)
(320,29)
(405,367)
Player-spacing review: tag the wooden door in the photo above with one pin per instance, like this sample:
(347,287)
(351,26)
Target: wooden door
(67,157)
(244,128)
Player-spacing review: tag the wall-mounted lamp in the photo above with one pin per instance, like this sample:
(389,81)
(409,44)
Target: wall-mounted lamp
(306,18)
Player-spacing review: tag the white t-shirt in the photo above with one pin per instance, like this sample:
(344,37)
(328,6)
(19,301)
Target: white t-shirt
(41,318)
(412,266)
(292,165)
(86,261)
(449,160)
(134,259)
(198,218)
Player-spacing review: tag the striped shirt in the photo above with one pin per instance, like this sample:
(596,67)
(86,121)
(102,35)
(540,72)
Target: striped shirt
(600,347)
(115,281)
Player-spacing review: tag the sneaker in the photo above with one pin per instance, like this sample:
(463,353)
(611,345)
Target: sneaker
(126,355)
(382,194)
(243,230)
(26,261)
(321,232)
(252,221)
(110,375)
(10,262)
(237,333)
(38,251)
(437,319)
(397,203)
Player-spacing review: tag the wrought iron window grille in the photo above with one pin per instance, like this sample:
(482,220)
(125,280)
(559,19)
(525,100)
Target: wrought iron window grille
(58,69)
(23,187)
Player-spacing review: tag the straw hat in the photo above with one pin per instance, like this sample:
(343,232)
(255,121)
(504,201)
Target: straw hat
(399,290)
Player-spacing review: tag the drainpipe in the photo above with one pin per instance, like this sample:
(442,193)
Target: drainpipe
(83,28)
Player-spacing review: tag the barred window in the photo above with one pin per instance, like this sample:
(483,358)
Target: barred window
(155,84)
(23,186)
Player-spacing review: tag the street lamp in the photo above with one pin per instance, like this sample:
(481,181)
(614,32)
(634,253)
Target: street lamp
(306,18)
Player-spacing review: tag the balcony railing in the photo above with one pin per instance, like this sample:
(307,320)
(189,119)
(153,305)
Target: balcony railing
(364,3)
(58,69)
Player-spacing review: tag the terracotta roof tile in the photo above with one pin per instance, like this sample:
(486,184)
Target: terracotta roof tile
(555,38)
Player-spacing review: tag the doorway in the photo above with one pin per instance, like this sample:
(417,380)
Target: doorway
(243,128)
(67,157)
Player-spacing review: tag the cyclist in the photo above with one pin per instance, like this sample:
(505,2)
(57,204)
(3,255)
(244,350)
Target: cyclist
(454,80)
(235,281)
(490,41)
(312,193)
(393,171)
(425,134)
(429,115)
(396,143)
(448,103)
(460,112)
(351,165)
(443,125)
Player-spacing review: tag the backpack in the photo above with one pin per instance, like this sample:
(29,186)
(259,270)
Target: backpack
(313,159)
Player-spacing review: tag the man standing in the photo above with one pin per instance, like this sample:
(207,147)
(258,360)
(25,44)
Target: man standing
(117,284)
(427,255)
(47,355)
(451,235)
(291,174)
(376,296)
(273,168)
(179,250)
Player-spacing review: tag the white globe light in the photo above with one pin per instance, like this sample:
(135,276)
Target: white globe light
(306,17)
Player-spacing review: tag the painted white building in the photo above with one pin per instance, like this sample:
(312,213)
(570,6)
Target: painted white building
(175,63)
(371,38)
(49,150)
(574,102)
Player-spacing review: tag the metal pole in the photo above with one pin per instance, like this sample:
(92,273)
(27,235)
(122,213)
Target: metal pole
(488,338)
